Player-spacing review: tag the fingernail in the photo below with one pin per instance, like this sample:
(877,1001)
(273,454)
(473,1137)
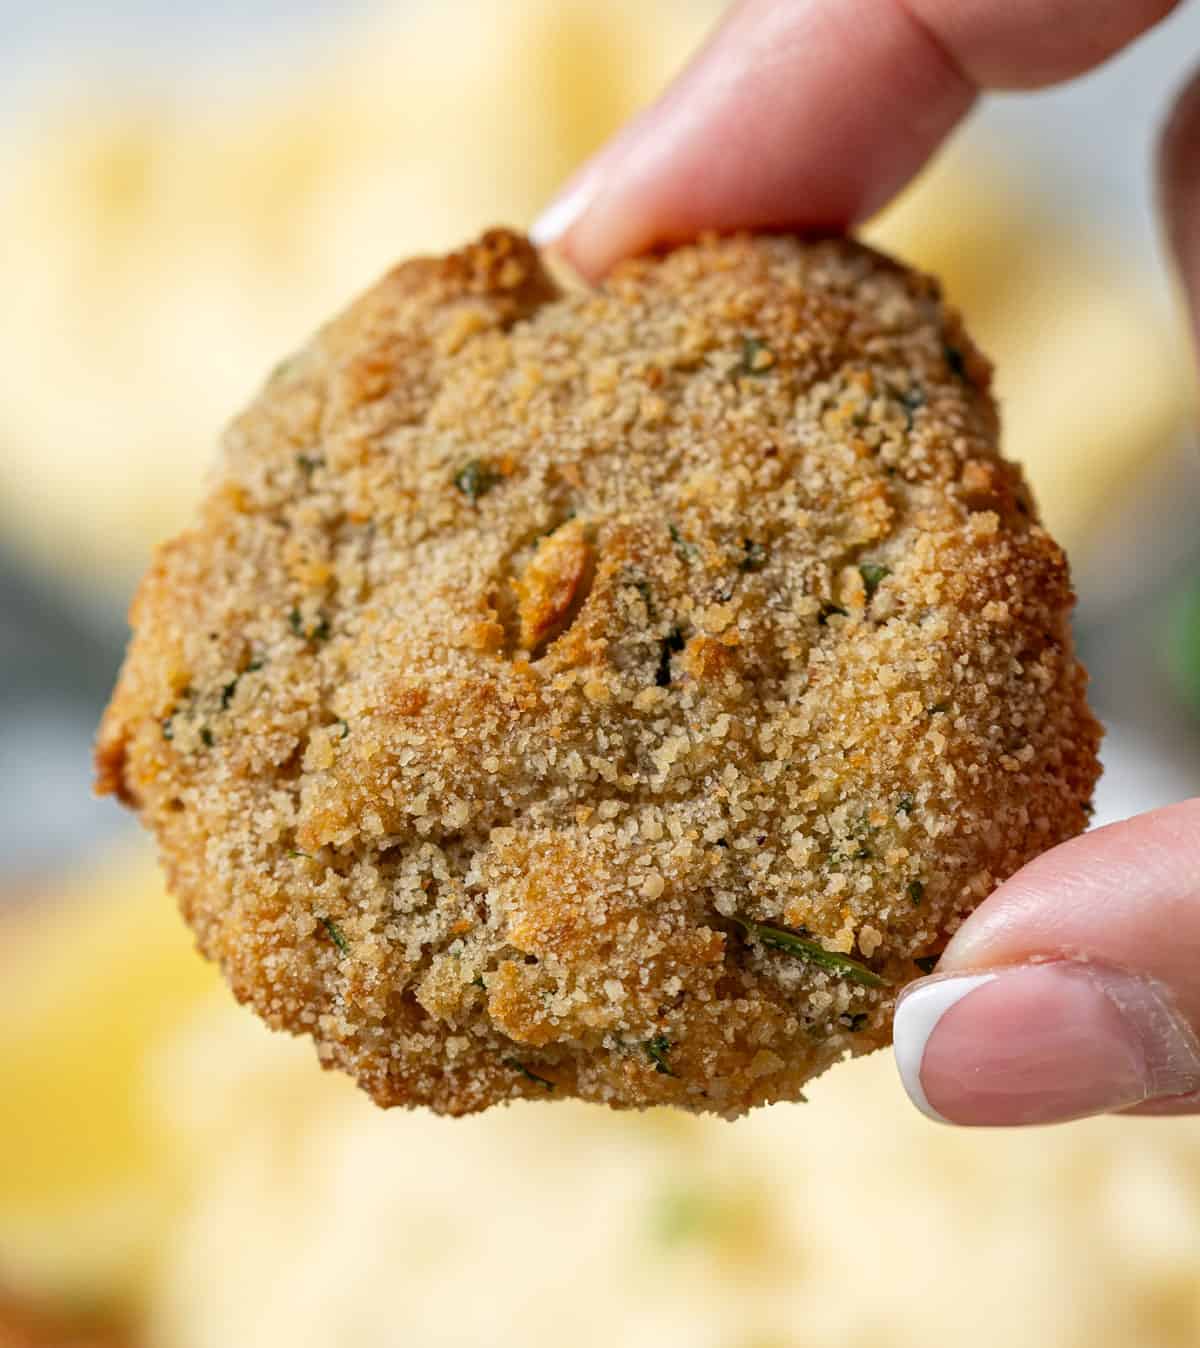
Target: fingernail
(565,209)
(1041,1043)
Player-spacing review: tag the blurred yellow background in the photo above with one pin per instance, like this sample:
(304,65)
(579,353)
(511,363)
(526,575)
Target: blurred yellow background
(168,1165)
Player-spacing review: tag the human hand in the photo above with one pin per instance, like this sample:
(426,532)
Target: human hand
(1075,988)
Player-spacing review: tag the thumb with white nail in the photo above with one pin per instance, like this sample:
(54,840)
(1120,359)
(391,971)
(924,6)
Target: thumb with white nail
(1073,990)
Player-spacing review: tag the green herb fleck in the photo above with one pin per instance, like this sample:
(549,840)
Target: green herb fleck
(670,645)
(658,1050)
(855,1022)
(228,691)
(206,736)
(687,551)
(168,727)
(776,938)
(345,729)
(873,576)
(295,852)
(307,463)
(926,963)
(336,935)
(905,805)
(757,358)
(955,359)
(519,1066)
(916,892)
(319,633)
(475,479)
(939,708)
(829,610)
(754,556)
(477,982)
(912,400)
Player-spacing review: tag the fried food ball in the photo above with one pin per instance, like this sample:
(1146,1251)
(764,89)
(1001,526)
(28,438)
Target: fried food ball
(616,693)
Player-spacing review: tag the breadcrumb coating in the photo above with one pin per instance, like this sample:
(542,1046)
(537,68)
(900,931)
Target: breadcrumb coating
(616,694)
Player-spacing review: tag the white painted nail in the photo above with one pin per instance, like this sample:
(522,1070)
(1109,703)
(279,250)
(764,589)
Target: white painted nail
(916,1017)
(564,210)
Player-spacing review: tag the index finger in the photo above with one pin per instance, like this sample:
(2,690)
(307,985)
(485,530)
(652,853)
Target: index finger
(810,114)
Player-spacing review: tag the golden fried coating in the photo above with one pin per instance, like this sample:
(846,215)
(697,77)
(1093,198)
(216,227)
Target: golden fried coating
(616,694)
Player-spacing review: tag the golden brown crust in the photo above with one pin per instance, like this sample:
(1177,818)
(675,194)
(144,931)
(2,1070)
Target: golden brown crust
(529,645)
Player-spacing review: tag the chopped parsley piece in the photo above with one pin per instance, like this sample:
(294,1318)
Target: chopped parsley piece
(168,728)
(873,576)
(939,708)
(519,1066)
(308,462)
(670,645)
(475,479)
(207,736)
(345,728)
(230,688)
(477,982)
(905,805)
(757,357)
(319,633)
(828,611)
(687,551)
(855,1022)
(916,892)
(295,852)
(754,556)
(776,938)
(336,935)
(926,963)
(657,1050)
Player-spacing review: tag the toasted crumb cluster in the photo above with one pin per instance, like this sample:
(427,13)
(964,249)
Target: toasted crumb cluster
(617,694)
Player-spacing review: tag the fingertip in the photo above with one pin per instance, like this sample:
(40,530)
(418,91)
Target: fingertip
(552,227)
(1178,172)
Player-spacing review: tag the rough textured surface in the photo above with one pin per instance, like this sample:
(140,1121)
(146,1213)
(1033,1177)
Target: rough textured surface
(530,645)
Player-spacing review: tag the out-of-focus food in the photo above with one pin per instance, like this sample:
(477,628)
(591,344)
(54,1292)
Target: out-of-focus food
(1184,645)
(615,693)
(89,983)
(25,1325)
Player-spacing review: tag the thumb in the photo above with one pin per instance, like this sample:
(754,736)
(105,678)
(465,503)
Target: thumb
(1073,990)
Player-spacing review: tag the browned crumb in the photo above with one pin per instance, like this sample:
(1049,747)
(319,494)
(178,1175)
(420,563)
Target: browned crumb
(534,651)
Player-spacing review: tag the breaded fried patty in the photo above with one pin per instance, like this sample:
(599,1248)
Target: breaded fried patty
(617,694)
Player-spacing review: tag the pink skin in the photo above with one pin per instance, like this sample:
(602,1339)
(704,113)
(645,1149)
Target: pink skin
(810,114)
